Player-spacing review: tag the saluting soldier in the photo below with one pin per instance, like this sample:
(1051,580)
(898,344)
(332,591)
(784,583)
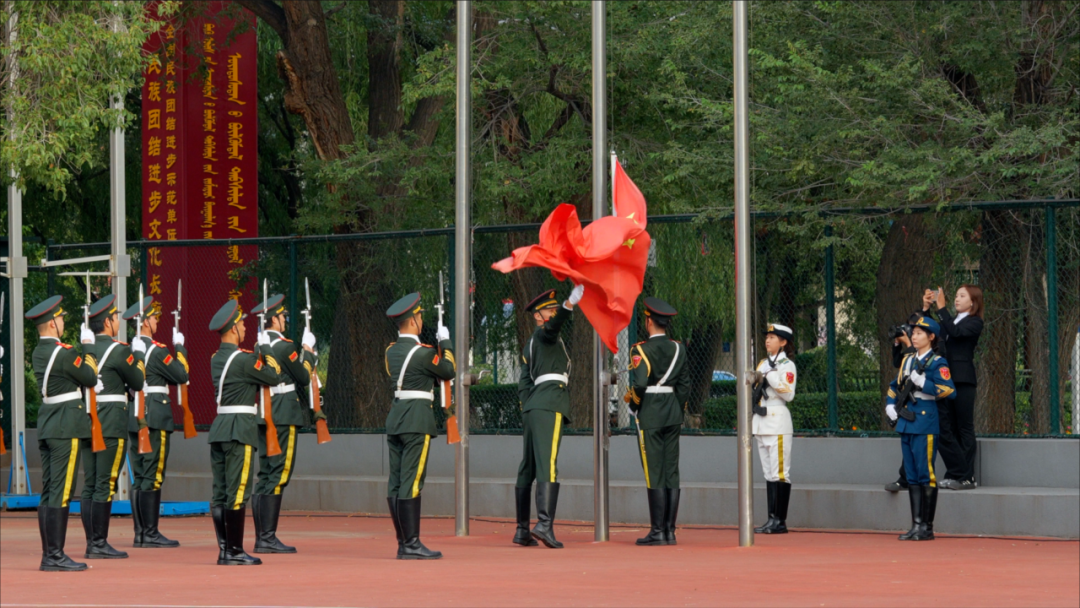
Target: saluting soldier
(238,376)
(659,390)
(162,371)
(118,371)
(414,369)
(543,390)
(772,425)
(290,412)
(62,373)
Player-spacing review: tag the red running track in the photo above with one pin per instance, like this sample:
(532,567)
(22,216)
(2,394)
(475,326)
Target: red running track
(349,561)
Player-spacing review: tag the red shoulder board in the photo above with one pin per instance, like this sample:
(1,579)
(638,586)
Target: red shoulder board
(945,373)
(78,361)
(636,343)
(121,343)
(244,350)
(159,344)
(258,364)
(293,356)
(130,359)
(67,346)
(285,339)
(426,345)
(168,359)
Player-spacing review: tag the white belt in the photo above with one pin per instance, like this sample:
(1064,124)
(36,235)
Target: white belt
(552,378)
(156,390)
(281,389)
(238,409)
(72,396)
(414,395)
(659,389)
(924,396)
(112,398)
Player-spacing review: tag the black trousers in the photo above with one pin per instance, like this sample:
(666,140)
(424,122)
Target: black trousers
(956,438)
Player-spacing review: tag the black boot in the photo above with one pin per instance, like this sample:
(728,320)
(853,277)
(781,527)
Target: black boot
(54,559)
(41,531)
(136,518)
(217,513)
(149,514)
(100,514)
(547,499)
(770,494)
(783,495)
(657,519)
(411,547)
(915,495)
(672,495)
(266,522)
(392,501)
(86,514)
(929,508)
(523,500)
(234,540)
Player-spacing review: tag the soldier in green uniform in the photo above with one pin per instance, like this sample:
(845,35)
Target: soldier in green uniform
(118,371)
(162,371)
(545,404)
(290,409)
(414,369)
(62,422)
(238,376)
(659,389)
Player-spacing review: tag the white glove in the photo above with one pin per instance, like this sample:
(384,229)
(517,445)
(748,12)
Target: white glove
(100,386)
(442,334)
(264,338)
(576,294)
(308,340)
(918,378)
(890,410)
(1,352)
(177,337)
(138,346)
(85,335)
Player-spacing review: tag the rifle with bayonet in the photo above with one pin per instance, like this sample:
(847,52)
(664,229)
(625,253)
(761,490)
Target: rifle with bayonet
(453,435)
(314,398)
(906,395)
(97,440)
(273,448)
(140,396)
(182,389)
(759,385)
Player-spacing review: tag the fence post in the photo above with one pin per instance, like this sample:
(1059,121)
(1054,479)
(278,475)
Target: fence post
(293,288)
(1052,318)
(51,274)
(830,333)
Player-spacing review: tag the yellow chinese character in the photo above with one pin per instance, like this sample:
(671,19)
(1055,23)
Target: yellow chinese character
(170,68)
(153,146)
(209,148)
(234,224)
(154,200)
(154,256)
(170,104)
(170,142)
(236,184)
(209,120)
(234,255)
(153,90)
(170,197)
(154,174)
(170,87)
(172,234)
(208,186)
(170,32)
(153,119)
(154,67)
(170,178)
(170,123)
(155,284)
(154,225)
(170,216)
(170,160)
(236,141)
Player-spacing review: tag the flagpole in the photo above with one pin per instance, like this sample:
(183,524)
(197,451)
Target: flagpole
(463,259)
(742,276)
(599,191)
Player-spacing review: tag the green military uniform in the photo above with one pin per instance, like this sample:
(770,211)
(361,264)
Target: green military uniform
(415,370)
(659,389)
(62,373)
(545,407)
(289,407)
(162,371)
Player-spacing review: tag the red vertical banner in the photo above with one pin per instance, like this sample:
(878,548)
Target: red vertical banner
(199,153)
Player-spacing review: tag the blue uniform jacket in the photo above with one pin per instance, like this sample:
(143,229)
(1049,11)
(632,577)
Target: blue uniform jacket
(938,385)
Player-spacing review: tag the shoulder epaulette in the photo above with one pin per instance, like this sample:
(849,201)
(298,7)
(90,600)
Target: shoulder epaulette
(283,338)
(158,344)
(62,345)
(120,343)
(639,343)
(427,345)
(244,350)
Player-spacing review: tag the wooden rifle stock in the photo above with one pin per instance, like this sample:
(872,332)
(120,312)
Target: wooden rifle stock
(453,434)
(144,432)
(321,430)
(3,447)
(273,448)
(97,440)
(189,418)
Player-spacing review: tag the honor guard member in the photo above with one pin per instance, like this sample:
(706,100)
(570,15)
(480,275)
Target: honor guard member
(162,371)
(659,389)
(238,375)
(545,406)
(118,371)
(290,411)
(62,373)
(414,369)
(772,424)
(931,382)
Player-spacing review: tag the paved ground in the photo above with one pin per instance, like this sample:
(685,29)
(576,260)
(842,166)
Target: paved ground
(349,561)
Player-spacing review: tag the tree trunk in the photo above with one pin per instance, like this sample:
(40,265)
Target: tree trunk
(996,367)
(1036,345)
(702,351)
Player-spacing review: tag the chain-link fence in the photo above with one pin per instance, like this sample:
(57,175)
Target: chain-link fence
(841,280)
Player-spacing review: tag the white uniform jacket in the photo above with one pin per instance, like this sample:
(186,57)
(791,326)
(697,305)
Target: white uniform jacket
(780,390)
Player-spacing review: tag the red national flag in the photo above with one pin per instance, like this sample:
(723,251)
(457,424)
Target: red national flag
(608,256)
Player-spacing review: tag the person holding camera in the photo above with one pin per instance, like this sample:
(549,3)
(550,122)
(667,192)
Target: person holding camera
(923,382)
(960,336)
(901,335)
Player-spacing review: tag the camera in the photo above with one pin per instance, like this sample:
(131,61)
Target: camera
(904,329)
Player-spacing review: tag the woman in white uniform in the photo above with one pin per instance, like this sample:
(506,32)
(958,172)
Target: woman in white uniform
(772,424)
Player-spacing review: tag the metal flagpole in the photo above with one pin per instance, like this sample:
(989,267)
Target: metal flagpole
(742,276)
(599,192)
(463,259)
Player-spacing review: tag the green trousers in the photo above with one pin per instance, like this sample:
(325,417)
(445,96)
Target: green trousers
(232,464)
(101,469)
(541,438)
(59,465)
(659,449)
(275,472)
(408,464)
(149,469)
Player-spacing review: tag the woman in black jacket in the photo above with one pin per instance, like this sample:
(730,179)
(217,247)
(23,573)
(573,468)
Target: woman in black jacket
(960,335)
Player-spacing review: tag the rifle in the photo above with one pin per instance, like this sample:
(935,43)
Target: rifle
(453,435)
(140,397)
(3,448)
(321,431)
(182,389)
(273,448)
(758,393)
(905,395)
(97,440)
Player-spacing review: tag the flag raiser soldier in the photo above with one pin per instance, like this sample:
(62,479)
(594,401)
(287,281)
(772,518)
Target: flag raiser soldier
(545,405)
(290,407)
(238,376)
(658,392)
(414,369)
(775,378)
(162,371)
